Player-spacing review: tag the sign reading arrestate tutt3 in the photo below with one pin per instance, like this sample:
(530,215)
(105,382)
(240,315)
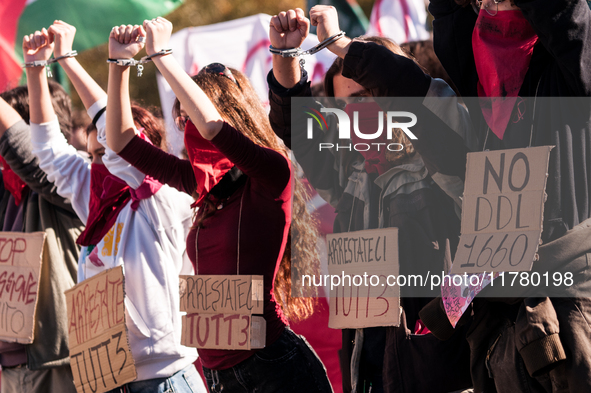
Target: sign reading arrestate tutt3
(100,356)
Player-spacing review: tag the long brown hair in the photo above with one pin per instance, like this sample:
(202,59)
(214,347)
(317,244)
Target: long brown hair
(240,106)
(152,125)
(18,98)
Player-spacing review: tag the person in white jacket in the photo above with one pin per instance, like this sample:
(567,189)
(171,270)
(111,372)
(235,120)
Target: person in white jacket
(147,236)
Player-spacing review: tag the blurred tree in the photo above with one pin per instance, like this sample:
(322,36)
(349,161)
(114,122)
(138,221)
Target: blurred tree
(192,13)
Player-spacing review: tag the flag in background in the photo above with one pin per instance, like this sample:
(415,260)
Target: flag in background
(242,44)
(10,68)
(352,20)
(401,20)
(94,20)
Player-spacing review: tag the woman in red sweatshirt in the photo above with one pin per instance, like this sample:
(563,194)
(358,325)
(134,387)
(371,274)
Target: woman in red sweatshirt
(243,181)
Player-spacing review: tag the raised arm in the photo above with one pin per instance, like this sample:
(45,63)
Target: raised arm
(288,30)
(123,44)
(68,170)
(16,149)
(89,91)
(287,80)
(8,116)
(195,102)
(38,46)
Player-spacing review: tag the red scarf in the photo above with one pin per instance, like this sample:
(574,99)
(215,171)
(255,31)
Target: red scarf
(503,45)
(375,160)
(12,182)
(108,196)
(209,164)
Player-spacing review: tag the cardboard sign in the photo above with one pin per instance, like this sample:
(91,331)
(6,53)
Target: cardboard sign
(100,356)
(224,331)
(502,210)
(361,263)
(20,267)
(222,294)
(220,311)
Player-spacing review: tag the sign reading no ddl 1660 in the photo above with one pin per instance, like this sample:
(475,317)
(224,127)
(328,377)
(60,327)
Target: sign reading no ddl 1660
(351,256)
(502,210)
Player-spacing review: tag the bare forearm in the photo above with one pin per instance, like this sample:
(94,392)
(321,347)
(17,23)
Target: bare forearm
(87,88)
(340,47)
(195,102)
(41,109)
(286,71)
(120,126)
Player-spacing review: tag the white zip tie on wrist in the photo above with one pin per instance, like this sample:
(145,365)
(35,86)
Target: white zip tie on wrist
(46,63)
(139,63)
(298,52)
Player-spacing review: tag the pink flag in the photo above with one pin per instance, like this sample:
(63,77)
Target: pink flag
(10,69)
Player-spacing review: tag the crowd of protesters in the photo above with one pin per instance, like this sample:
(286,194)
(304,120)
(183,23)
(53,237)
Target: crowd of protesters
(127,202)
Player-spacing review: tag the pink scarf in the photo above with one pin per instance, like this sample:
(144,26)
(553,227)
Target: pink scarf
(108,196)
(503,45)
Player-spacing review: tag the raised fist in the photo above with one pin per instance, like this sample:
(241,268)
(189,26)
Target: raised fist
(289,29)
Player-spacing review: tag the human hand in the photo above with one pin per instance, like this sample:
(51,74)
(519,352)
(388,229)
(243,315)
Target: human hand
(37,46)
(123,41)
(326,19)
(289,29)
(158,33)
(63,35)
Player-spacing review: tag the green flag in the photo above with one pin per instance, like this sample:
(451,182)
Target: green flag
(92,19)
(352,20)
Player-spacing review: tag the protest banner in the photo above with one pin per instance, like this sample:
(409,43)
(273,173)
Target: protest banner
(502,210)
(220,311)
(20,268)
(359,264)
(100,356)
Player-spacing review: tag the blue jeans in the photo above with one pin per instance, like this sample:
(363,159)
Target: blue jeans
(187,380)
(288,365)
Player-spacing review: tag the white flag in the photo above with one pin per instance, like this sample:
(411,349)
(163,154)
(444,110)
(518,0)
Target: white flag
(401,20)
(242,44)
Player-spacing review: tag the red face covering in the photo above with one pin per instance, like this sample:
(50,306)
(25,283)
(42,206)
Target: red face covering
(503,45)
(12,182)
(209,164)
(108,196)
(375,161)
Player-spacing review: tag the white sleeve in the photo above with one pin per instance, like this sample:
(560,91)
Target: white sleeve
(63,165)
(115,164)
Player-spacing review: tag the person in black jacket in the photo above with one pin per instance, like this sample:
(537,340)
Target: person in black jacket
(367,193)
(532,60)
(30,203)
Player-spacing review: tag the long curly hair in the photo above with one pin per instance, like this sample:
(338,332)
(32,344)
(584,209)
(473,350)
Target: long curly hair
(240,106)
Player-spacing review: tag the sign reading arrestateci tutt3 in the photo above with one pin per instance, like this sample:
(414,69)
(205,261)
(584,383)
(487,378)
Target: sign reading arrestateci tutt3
(353,256)
(220,311)
(100,356)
